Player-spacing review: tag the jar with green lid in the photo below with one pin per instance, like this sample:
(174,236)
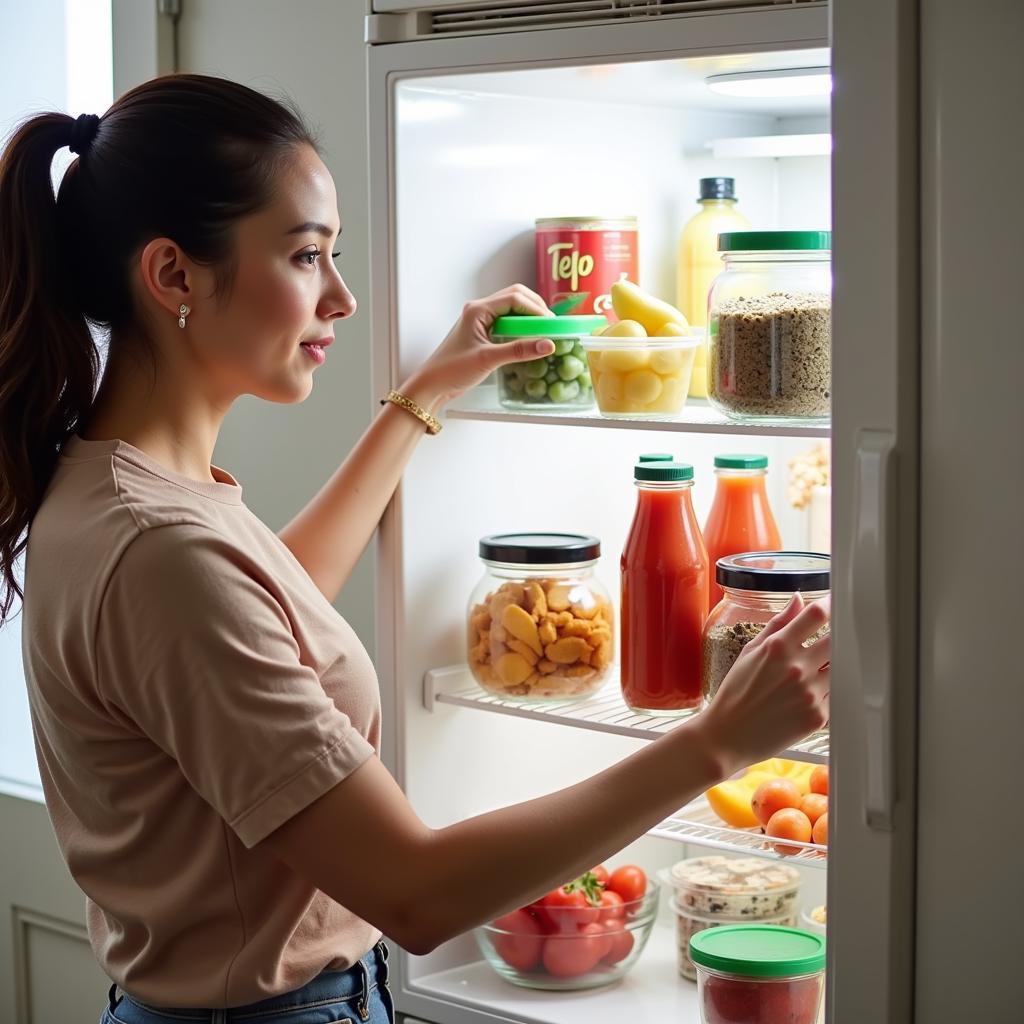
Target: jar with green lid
(558,381)
(758,974)
(770,327)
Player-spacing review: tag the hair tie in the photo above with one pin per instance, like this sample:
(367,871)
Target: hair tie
(83,131)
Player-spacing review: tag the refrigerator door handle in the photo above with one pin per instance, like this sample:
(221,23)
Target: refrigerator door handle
(871,602)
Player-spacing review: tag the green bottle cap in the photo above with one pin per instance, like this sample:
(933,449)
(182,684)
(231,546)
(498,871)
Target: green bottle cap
(741,462)
(546,326)
(655,457)
(769,241)
(662,471)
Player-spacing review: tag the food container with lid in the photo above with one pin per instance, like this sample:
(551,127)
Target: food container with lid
(540,624)
(758,974)
(641,378)
(770,327)
(756,586)
(558,381)
(734,888)
(687,925)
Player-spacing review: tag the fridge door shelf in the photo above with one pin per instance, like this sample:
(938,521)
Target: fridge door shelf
(605,711)
(697,417)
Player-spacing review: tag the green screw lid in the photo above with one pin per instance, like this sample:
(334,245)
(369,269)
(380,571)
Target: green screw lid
(752,241)
(741,462)
(758,951)
(655,457)
(664,472)
(545,326)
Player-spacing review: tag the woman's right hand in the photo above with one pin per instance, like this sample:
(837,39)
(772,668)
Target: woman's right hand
(777,691)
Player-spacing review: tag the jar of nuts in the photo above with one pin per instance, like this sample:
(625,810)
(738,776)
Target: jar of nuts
(540,625)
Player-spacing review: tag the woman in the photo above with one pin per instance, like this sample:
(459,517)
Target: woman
(207,726)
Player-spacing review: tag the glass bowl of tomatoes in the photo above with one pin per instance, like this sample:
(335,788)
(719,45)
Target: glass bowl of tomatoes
(586,933)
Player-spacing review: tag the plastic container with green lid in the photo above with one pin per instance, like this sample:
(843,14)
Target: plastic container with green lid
(770,327)
(758,974)
(558,381)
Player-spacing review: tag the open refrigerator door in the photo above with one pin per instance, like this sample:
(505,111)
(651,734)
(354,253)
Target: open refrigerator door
(473,138)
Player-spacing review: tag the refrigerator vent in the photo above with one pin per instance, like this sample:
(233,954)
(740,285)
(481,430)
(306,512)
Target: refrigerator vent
(487,18)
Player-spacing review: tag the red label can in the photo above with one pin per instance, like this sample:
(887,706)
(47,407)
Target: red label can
(580,258)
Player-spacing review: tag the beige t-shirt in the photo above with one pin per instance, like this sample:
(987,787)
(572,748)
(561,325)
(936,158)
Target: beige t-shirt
(191,690)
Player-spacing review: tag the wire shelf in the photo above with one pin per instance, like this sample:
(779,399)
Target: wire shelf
(604,711)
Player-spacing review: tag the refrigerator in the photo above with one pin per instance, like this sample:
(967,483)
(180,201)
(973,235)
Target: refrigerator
(486,115)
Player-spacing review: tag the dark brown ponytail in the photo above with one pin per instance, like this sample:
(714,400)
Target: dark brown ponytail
(184,156)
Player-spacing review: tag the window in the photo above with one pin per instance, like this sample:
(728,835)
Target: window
(57,55)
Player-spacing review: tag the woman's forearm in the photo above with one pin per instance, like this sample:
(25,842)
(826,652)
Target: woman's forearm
(330,533)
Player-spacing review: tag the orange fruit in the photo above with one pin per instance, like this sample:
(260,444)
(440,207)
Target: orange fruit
(820,831)
(774,795)
(814,805)
(819,779)
(789,823)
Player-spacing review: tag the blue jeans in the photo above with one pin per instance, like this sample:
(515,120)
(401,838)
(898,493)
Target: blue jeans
(359,995)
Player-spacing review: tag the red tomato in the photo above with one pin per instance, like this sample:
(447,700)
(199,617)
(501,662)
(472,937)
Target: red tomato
(567,911)
(604,939)
(621,943)
(568,956)
(519,940)
(601,874)
(795,1002)
(612,908)
(629,882)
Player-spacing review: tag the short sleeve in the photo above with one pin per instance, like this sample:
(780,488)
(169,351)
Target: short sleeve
(194,649)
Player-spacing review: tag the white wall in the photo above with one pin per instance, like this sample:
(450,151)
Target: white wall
(313,51)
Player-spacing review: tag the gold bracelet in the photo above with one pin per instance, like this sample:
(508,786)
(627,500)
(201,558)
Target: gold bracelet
(433,425)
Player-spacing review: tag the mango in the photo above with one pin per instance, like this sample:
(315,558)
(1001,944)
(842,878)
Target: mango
(730,800)
(631,303)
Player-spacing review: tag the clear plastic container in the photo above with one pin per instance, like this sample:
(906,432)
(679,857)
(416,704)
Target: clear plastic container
(734,888)
(641,378)
(770,327)
(687,925)
(756,586)
(758,974)
(540,624)
(558,381)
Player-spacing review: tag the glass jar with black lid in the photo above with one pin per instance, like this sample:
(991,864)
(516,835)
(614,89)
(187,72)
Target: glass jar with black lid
(756,586)
(540,625)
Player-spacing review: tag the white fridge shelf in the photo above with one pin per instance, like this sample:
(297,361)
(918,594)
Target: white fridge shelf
(605,711)
(697,417)
(652,990)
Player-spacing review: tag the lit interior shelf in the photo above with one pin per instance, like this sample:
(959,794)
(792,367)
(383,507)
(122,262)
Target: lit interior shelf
(605,711)
(697,417)
(652,990)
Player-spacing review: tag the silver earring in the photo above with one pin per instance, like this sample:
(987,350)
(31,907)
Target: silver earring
(183,311)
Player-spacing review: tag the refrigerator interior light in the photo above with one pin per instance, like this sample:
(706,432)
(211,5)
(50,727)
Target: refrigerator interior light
(815,144)
(771,84)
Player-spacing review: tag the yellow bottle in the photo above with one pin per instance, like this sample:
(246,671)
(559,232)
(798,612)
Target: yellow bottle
(699,263)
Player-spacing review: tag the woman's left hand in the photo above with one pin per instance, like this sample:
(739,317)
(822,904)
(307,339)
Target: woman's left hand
(467,355)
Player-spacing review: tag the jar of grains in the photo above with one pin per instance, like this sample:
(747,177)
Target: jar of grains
(755,587)
(769,327)
(540,624)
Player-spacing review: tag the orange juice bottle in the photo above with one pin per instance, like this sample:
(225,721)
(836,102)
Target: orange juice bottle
(740,519)
(699,263)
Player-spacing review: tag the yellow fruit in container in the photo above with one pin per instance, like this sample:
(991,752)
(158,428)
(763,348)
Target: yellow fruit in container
(632,303)
(671,330)
(625,359)
(730,800)
(608,384)
(624,329)
(643,387)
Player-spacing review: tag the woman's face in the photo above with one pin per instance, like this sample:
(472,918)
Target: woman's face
(286,291)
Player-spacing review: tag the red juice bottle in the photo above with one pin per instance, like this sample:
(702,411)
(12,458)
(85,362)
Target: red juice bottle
(665,582)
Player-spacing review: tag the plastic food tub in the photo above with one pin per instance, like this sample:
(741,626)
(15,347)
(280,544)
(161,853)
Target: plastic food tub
(734,888)
(687,925)
(758,974)
(641,377)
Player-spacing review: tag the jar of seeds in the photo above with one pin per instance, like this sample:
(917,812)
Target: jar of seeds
(769,327)
(755,586)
